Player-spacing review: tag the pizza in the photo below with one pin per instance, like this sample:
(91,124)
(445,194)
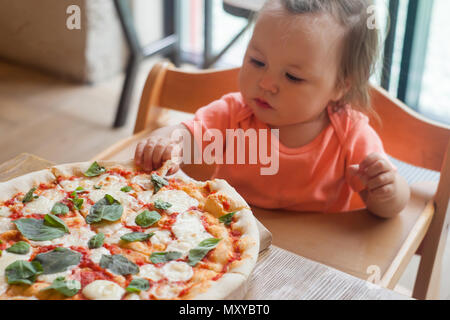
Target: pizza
(109,231)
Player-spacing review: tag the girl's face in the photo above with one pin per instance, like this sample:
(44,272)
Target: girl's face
(290,67)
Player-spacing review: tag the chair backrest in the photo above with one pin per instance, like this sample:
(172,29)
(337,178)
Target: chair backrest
(401,129)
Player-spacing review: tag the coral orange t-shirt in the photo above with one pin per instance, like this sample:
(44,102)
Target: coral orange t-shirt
(311,178)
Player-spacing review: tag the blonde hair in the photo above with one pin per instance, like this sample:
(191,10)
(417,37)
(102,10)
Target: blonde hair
(360,47)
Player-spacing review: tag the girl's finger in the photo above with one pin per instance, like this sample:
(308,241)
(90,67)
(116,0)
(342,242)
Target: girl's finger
(158,151)
(138,154)
(380,180)
(378,167)
(147,164)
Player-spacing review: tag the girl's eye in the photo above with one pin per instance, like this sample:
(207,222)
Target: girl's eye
(292,78)
(257,63)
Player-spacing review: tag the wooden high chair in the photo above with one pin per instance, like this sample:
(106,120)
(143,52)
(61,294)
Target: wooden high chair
(357,242)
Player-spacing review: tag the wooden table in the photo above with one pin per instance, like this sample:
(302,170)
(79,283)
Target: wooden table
(278,275)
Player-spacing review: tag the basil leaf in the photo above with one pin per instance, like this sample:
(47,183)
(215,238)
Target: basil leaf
(97,187)
(58,260)
(22,271)
(147,218)
(79,190)
(126,189)
(29,195)
(68,288)
(159,204)
(136,236)
(158,182)
(94,170)
(20,247)
(202,249)
(77,202)
(96,241)
(60,208)
(137,285)
(163,257)
(107,208)
(227,218)
(53,221)
(118,264)
(35,229)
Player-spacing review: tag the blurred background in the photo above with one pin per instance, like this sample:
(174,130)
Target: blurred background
(72,63)
(72,71)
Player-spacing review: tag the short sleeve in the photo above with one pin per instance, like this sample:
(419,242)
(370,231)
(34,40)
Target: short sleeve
(218,115)
(361,141)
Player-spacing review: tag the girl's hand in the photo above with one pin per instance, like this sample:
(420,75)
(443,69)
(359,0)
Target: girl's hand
(377,175)
(386,193)
(152,152)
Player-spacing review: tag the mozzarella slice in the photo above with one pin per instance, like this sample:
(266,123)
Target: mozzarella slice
(177,271)
(179,200)
(149,271)
(180,246)
(103,290)
(189,228)
(162,237)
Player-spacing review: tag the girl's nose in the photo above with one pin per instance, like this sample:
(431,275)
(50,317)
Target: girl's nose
(268,83)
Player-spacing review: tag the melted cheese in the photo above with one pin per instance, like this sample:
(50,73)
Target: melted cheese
(189,228)
(179,200)
(143,181)
(124,198)
(71,185)
(110,182)
(177,271)
(145,196)
(44,203)
(5,212)
(160,236)
(103,290)
(6,225)
(166,291)
(113,232)
(149,271)
(51,277)
(180,246)
(96,254)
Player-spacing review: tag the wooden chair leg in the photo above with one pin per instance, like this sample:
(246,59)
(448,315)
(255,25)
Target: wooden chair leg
(428,276)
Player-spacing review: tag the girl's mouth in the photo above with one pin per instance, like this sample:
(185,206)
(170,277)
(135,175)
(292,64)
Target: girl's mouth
(262,104)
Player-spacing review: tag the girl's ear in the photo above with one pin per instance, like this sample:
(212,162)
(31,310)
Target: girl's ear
(341,90)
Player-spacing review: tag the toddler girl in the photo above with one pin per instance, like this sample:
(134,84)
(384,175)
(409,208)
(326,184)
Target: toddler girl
(305,77)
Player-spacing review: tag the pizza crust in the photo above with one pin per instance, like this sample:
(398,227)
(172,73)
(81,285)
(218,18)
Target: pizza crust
(24,183)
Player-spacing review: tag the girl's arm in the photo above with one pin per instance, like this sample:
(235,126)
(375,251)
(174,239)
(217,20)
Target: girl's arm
(386,193)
